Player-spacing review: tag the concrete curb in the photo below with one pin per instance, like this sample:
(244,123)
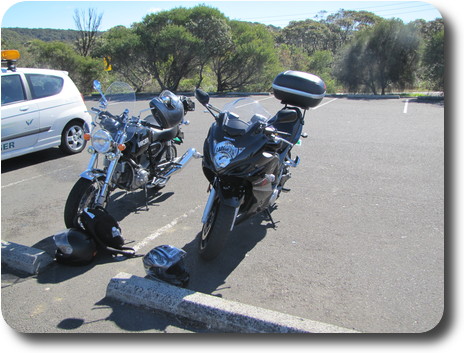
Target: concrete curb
(24,258)
(220,314)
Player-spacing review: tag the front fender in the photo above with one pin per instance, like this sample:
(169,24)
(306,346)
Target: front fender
(92,174)
(233,201)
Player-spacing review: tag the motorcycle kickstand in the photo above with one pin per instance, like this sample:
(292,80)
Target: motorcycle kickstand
(146,196)
(268,213)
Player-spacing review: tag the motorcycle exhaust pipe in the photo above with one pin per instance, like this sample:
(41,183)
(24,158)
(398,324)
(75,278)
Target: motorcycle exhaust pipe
(182,162)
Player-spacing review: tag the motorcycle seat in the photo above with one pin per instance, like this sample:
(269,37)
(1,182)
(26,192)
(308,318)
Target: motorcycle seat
(160,133)
(166,134)
(153,122)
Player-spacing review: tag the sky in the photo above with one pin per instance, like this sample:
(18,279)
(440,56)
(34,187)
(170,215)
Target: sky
(59,14)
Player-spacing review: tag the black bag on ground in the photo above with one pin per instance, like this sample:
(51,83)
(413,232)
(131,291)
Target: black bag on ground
(105,230)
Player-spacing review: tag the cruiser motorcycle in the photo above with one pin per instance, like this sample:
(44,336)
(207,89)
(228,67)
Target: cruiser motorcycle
(247,155)
(136,153)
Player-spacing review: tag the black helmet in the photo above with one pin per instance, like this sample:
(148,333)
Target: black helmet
(167,109)
(74,247)
(165,262)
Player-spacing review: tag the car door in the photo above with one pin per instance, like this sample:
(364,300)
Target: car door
(45,91)
(20,116)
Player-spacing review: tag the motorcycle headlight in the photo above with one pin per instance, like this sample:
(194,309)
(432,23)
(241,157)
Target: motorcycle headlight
(224,152)
(101,141)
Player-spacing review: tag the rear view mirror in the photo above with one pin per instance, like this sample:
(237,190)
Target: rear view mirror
(202,96)
(97,86)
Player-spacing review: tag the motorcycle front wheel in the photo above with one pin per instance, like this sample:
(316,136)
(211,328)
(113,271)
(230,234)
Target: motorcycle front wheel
(82,195)
(215,231)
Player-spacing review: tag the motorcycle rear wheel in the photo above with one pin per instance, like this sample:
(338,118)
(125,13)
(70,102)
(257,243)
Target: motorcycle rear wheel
(215,231)
(82,195)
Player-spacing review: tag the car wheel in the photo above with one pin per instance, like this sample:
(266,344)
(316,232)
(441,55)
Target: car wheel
(72,138)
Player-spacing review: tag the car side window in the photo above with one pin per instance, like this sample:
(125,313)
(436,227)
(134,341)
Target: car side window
(44,85)
(12,89)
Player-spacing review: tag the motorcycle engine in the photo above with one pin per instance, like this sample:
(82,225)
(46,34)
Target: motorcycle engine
(130,178)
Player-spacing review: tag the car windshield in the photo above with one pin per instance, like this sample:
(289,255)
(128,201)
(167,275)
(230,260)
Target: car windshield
(248,109)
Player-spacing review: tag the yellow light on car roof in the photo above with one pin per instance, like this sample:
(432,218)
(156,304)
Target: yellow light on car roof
(10,55)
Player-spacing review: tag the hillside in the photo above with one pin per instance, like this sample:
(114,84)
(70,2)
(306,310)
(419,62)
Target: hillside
(23,35)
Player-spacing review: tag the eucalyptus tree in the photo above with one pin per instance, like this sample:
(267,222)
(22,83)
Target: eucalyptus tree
(179,43)
(379,57)
(250,62)
(120,47)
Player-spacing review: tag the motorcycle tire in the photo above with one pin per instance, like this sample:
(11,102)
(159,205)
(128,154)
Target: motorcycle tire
(215,231)
(82,195)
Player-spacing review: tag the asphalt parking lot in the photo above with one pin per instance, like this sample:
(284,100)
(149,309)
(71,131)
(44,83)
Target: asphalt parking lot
(359,240)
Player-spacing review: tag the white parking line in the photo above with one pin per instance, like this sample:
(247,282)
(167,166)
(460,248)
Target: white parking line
(333,100)
(35,177)
(258,100)
(163,229)
(405,110)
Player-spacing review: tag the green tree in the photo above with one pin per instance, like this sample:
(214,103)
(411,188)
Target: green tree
(320,64)
(308,35)
(121,46)
(344,24)
(251,62)
(434,61)
(385,55)
(170,50)
(211,28)
(292,57)
(62,56)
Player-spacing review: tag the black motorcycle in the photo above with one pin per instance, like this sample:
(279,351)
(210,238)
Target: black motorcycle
(247,155)
(137,153)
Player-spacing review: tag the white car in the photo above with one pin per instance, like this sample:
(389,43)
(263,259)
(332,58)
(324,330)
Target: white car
(41,109)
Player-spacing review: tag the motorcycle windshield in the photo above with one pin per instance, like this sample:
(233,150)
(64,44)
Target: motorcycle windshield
(248,110)
(120,96)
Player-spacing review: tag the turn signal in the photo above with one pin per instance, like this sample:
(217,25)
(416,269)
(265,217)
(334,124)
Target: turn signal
(87,137)
(121,147)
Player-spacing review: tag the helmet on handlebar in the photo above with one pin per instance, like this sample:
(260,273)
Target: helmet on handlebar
(165,262)
(167,109)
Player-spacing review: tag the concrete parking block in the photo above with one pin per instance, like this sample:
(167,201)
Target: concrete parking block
(220,314)
(24,258)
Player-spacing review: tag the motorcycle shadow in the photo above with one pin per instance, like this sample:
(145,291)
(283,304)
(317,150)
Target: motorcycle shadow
(122,203)
(209,276)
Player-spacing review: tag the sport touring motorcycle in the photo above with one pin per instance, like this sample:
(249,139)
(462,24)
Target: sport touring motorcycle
(247,155)
(137,153)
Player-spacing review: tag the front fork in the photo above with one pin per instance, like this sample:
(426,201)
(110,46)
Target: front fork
(234,202)
(209,205)
(91,173)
